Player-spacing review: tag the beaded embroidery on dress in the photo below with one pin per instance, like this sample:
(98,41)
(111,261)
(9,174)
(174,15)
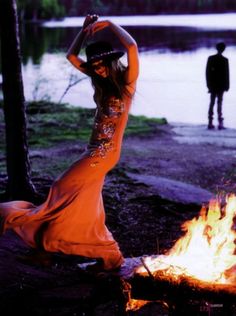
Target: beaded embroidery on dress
(72,219)
(105,127)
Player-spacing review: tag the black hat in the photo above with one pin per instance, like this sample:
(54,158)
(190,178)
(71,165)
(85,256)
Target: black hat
(100,51)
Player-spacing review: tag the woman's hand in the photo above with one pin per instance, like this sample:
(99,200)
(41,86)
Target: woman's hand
(94,27)
(90,19)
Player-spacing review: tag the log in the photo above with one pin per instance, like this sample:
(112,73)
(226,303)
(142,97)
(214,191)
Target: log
(161,286)
(183,295)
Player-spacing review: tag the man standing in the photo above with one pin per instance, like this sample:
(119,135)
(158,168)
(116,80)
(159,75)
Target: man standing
(217,78)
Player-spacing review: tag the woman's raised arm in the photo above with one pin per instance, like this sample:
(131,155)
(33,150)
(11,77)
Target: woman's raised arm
(73,51)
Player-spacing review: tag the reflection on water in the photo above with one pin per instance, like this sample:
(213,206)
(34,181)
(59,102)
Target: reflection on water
(37,40)
(172,75)
(178,39)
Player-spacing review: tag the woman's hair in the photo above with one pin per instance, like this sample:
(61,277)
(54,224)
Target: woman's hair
(114,84)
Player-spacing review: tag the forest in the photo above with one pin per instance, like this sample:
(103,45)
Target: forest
(47,9)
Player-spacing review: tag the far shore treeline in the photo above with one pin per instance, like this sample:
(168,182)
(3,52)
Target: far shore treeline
(47,9)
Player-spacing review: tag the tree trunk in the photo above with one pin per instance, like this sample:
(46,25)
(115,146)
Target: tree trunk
(18,165)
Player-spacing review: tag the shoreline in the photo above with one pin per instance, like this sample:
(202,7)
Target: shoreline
(198,133)
(189,153)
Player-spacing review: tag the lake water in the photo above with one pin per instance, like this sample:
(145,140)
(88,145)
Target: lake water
(173,54)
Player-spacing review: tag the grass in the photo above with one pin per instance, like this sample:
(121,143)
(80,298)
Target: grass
(141,125)
(50,123)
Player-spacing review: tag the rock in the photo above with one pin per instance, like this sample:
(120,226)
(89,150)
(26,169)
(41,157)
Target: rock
(174,190)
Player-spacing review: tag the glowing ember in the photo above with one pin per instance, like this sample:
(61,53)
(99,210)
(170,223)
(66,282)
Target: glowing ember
(206,251)
(134,305)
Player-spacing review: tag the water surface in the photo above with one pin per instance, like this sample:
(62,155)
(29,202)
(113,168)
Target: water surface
(173,53)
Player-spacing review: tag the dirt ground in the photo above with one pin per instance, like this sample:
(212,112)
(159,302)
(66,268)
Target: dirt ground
(145,219)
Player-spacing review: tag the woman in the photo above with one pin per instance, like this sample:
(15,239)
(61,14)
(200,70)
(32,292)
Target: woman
(72,219)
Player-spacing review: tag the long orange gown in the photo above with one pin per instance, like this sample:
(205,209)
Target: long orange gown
(72,219)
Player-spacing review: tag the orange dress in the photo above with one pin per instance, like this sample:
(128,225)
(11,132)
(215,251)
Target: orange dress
(72,219)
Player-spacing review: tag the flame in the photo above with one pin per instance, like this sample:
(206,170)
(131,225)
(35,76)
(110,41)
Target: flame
(207,249)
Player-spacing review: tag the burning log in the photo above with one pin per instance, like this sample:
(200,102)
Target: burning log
(184,296)
(149,292)
(163,286)
(201,266)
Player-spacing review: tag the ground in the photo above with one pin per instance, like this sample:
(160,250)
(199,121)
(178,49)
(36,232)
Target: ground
(161,181)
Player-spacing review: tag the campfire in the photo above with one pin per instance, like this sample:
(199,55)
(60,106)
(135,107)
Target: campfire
(200,267)
(206,251)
